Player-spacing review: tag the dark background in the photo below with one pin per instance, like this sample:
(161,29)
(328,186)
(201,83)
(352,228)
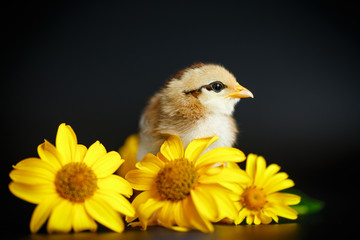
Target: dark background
(94,64)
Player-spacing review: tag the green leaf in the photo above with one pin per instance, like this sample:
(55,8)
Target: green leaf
(307,205)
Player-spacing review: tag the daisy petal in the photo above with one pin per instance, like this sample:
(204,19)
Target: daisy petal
(204,203)
(48,153)
(107,164)
(257,220)
(66,142)
(166,214)
(284,198)
(197,146)
(270,171)
(270,212)
(81,220)
(172,148)
(276,179)
(80,153)
(143,197)
(151,163)
(226,175)
(220,155)
(251,165)
(95,151)
(117,202)
(243,213)
(147,209)
(223,202)
(104,213)
(285,211)
(180,217)
(140,199)
(115,183)
(249,219)
(31,177)
(196,220)
(264,218)
(260,169)
(32,193)
(60,219)
(42,212)
(287,183)
(37,166)
(140,180)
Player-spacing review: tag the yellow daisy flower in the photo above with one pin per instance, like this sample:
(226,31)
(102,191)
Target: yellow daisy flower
(185,190)
(128,153)
(259,199)
(72,186)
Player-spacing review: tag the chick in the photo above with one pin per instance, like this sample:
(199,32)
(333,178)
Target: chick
(197,102)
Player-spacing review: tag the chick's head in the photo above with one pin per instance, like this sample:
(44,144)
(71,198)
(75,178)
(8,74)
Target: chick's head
(210,85)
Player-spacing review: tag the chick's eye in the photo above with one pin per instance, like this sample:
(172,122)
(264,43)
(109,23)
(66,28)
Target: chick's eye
(217,86)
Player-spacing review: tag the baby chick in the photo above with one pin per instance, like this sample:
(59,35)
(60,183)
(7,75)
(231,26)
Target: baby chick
(197,102)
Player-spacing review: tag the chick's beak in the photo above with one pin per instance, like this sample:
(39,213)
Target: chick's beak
(240,92)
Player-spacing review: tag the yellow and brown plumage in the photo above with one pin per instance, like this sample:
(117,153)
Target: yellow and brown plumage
(196,102)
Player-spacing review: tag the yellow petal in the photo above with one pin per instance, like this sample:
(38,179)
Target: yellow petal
(204,203)
(260,170)
(140,199)
(95,151)
(243,213)
(180,229)
(285,211)
(80,153)
(225,176)
(81,220)
(257,220)
(143,197)
(232,165)
(60,219)
(32,193)
(249,219)
(130,147)
(287,183)
(220,155)
(66,142)
(180,217)
(31,177)
(102,212)
(150,163)
(115,183)
(141,180)
(36,166)
(224,203)
(284,198)
(48,153)
(275,180)
(270,171)
(270,212)
(117,202)
(128,152)
(251,165)
(172,148)
(195,219)
(264,219)
(42,211)
(166,214)
(197,146)
(147,209)
(107,164)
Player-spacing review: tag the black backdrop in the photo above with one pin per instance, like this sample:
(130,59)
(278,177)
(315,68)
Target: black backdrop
(94,64)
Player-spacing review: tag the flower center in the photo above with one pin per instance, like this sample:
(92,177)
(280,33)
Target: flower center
(75,182)
(176,179)
(253,198)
